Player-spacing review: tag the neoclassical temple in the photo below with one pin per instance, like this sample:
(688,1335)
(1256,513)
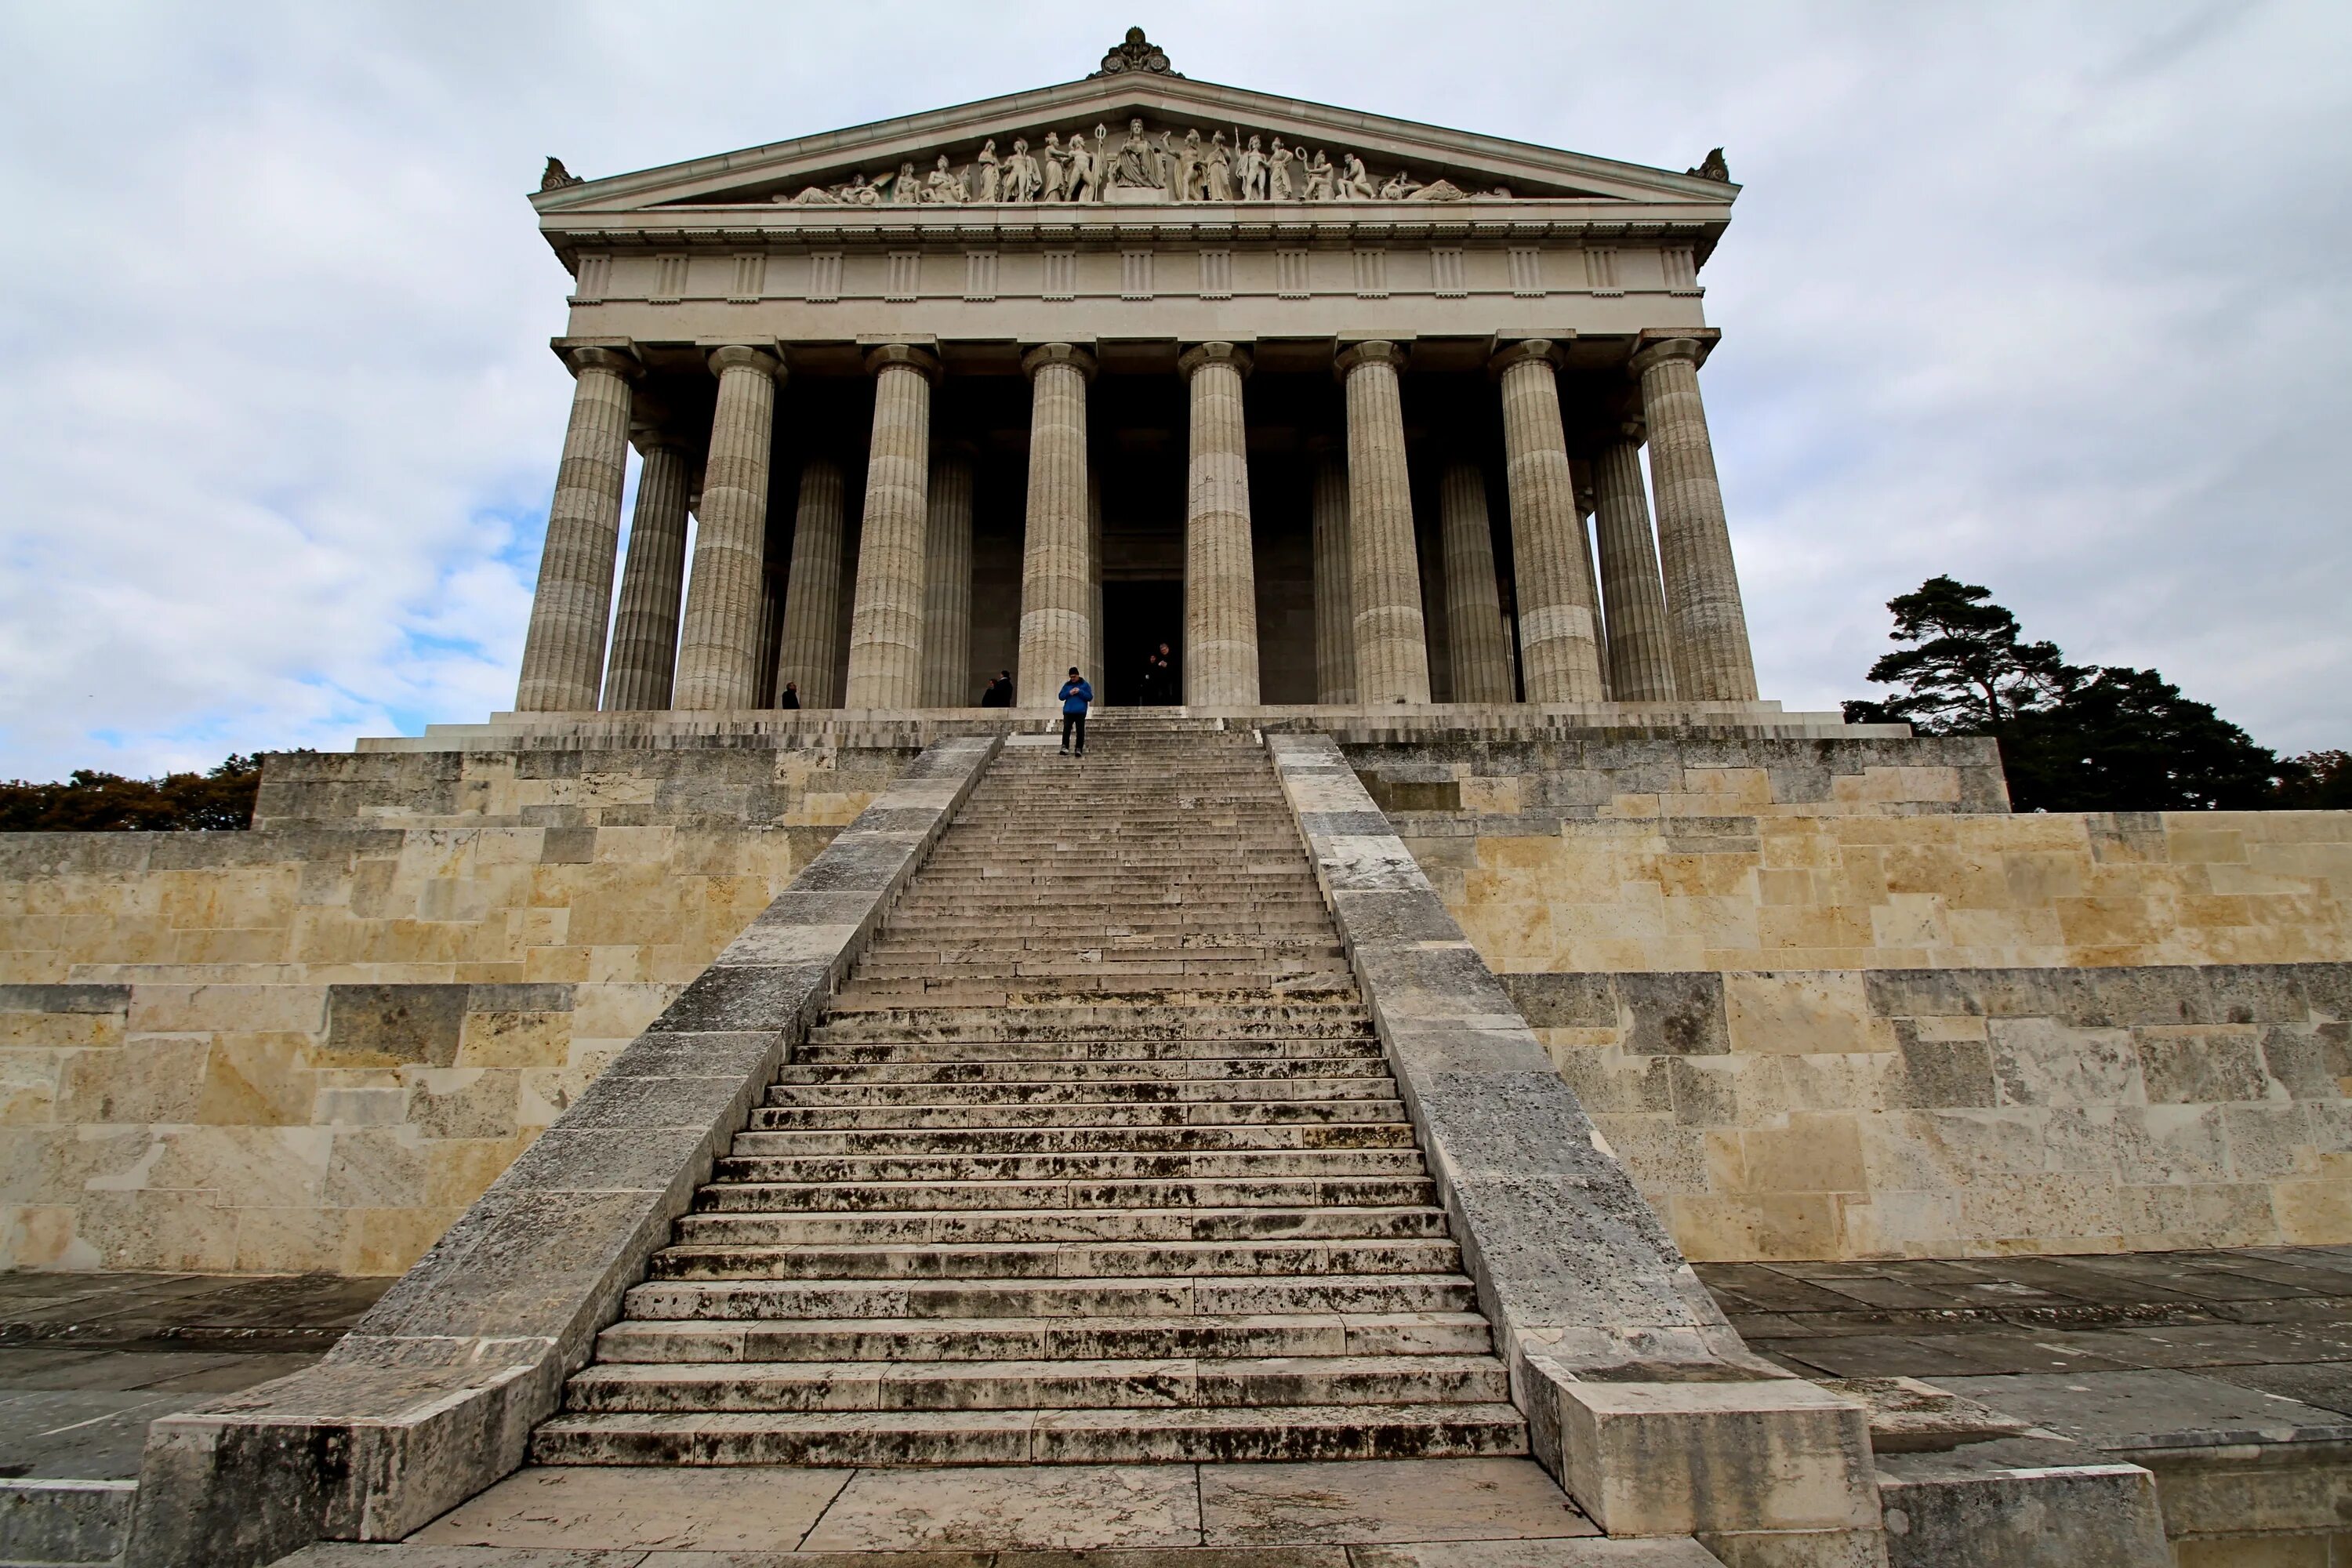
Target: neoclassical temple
(1345,409)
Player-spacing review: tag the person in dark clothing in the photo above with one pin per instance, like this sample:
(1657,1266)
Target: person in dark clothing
(1158,685)
(1077,697)
(1000,691)
(791,696)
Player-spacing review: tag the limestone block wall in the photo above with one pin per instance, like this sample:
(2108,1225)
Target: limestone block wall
(1829,999)
(310,1047)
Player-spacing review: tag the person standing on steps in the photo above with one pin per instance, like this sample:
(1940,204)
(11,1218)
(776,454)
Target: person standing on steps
(1000,691)
(1159,678)
(1077,697)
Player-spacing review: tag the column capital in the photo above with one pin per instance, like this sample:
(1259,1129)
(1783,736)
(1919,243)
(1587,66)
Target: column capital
(1200,354)
(1069,354)
(1657,344)
(921,361)
(618,356)
(1372,351)
(1525,352)
(1633,429)
(744,356)
(651,438)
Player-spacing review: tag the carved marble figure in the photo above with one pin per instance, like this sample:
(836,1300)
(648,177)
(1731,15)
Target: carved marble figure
(985,173)
(1220,169)
(1318,177)
(1354,180)
(906,190)
(1280,182)
(1249,171)
(1086,168)
(1191,182)
(1020,176)
(1057,170)
(1138,165)
(943,186)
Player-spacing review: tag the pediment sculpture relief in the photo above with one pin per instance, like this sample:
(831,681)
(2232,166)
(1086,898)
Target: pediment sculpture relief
(1168,165)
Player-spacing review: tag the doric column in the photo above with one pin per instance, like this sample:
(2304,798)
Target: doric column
(719,652)
(1474,602)
(1559,655)
(886,621)
(1056,587)
(1580,471)
(1384,575)
(563,651)
(1220,580)
(946,584)
(1335,627)
(1712,658)
(653,581)
(1096,671)
(808,653)
(1641,650)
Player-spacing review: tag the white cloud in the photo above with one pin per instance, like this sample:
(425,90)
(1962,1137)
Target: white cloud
(2048,297)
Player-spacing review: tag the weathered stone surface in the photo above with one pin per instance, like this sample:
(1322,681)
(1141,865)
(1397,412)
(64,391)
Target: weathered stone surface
(1940,1515)
(1668,1458)
(434,1392)
(1572,1268)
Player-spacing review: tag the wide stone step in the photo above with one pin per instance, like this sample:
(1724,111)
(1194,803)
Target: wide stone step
(1177,995)
(1048,969)
(897,1023)
(1252,1192)
(1048,1339)
(1278,1049)
(1240,1162)
(1223,1070)
(1204,1090)
(1058,1259)
(1078,1113)
(1206,1295)
(1071,1140)
(1123,1435)
(1032,1226)
(1171,1383)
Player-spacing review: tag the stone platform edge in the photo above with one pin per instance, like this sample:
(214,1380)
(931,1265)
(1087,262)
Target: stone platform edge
(1639,1397)
(1350,723)
(433,1396)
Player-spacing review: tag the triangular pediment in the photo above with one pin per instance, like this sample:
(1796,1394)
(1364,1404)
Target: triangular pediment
(1148,138)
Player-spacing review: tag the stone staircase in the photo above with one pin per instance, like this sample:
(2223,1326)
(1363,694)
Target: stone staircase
(1094,1159)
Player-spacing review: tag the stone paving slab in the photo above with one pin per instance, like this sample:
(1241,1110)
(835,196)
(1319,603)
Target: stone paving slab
(1093,1509)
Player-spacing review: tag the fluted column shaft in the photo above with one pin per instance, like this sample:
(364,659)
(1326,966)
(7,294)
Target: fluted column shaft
(1220,578)
(563,650)
(1096,671)
(1384,571)
(1335,624)
(718,651)
(653,583)
(886,619)
(946,585)
(1056,581)
(808,651)
(1474,601)
(1641,648)
(1712,658)
(1559,653)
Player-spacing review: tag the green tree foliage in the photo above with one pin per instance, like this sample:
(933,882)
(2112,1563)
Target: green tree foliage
(93,801)
(2072,737)
(2316,781)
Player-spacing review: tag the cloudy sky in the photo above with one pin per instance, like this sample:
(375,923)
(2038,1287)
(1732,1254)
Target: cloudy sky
(2051,296)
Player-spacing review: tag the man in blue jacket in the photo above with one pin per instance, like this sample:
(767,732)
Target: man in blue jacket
(1077,697)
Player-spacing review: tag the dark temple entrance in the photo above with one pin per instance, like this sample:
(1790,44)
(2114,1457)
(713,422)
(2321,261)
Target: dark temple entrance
(1137,618)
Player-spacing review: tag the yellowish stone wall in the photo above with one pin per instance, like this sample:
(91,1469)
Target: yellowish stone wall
(310,1047)
(1830,1011)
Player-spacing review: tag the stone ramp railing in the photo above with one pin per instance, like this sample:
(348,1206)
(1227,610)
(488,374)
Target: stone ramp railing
(433,1395)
